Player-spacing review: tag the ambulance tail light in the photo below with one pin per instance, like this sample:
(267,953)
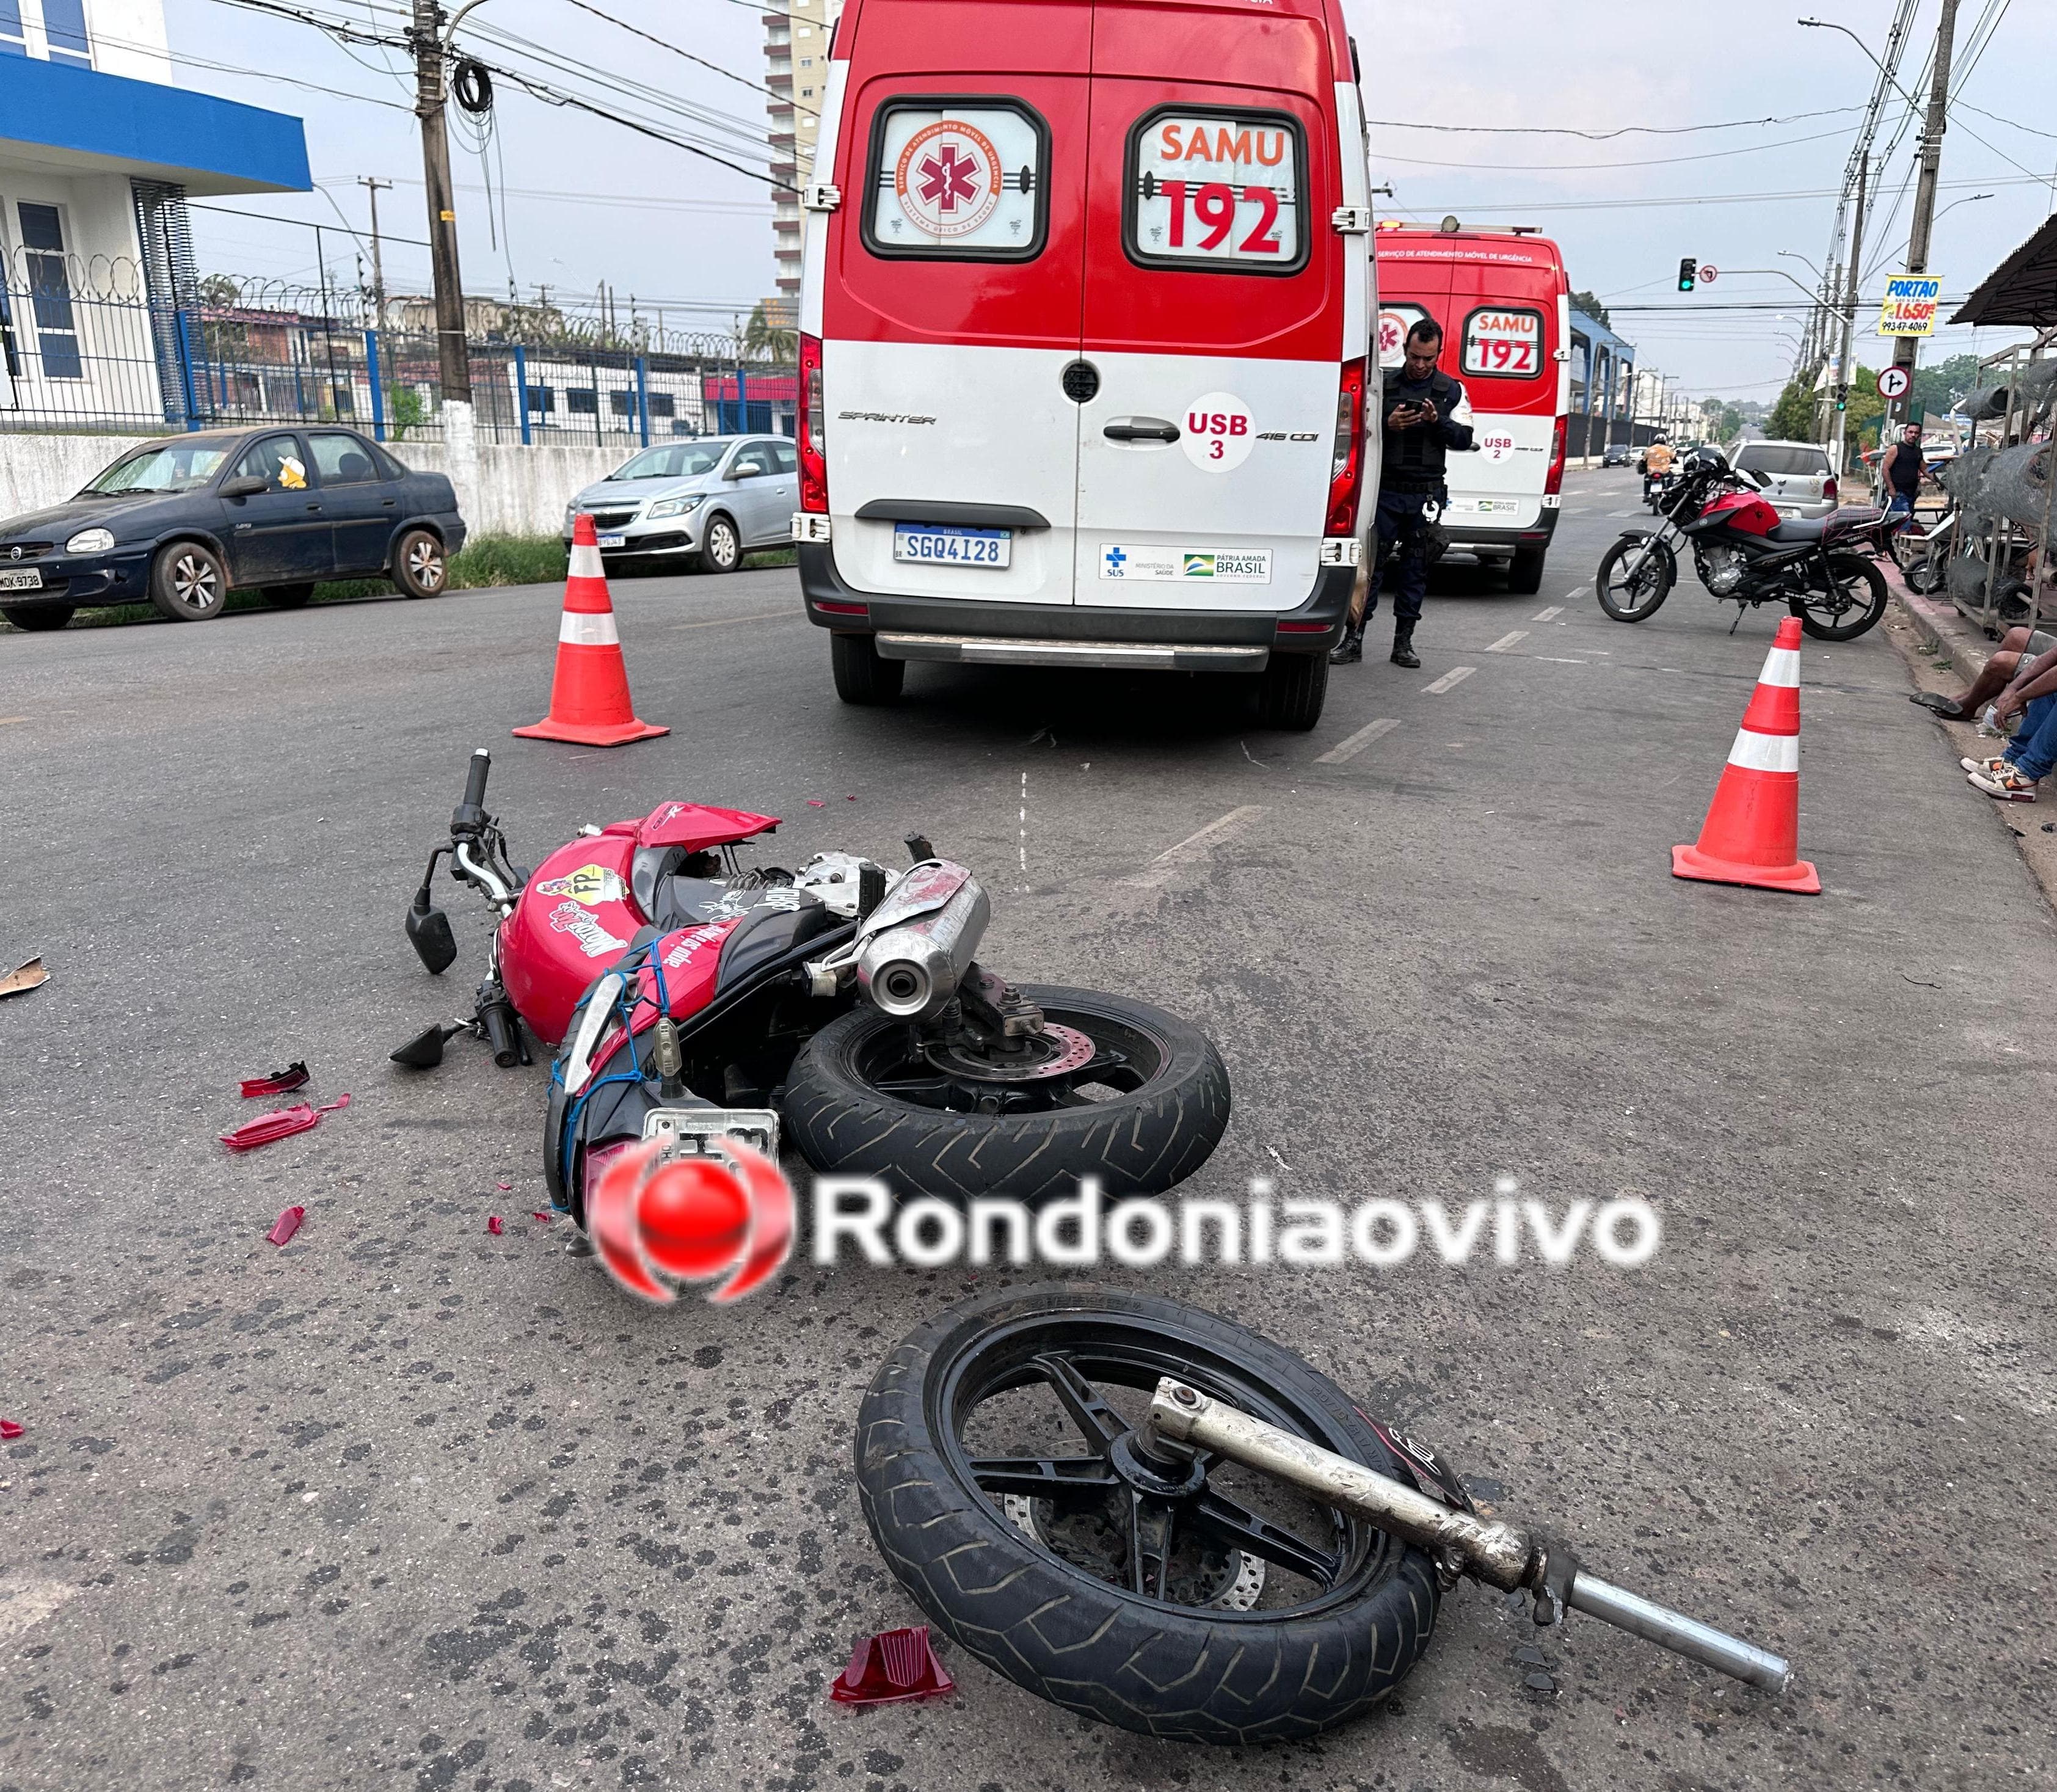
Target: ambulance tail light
(813,429)
(1553,480)
(1346,464)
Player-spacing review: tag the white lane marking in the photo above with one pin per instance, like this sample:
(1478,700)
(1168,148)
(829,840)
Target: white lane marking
(757,616)
(1356,744)
(1508,640)
(1193,847)
(25,1603)
(1545,616)
(1457,675)
(1624,512)
(1552,660)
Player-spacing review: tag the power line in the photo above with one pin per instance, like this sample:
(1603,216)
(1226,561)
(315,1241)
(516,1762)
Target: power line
(1717,199)
(726,74)
(1596,136)
(1640,161)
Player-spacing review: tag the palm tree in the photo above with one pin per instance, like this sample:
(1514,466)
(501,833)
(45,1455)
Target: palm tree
(769,336)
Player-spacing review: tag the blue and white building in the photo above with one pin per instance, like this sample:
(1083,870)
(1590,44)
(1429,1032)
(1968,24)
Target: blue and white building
(99,149)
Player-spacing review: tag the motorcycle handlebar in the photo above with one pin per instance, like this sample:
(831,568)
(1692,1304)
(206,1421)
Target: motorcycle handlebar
(474,783)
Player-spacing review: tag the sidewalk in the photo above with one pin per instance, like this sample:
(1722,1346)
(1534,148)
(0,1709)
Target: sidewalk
(1944,652)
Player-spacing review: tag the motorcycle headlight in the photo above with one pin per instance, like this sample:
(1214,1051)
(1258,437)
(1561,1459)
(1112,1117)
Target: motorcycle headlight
(90,540)
(672,507)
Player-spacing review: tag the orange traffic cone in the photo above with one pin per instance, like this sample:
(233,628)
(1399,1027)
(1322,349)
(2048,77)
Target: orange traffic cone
(589,702)
(1752,832)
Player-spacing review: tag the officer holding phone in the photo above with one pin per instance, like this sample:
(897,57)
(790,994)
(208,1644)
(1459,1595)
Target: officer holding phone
(1426,414)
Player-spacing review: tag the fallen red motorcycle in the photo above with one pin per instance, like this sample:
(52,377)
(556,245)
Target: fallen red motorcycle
(839,1007)
(1746,554)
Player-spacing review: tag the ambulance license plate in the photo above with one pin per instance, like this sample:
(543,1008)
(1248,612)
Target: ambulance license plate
(926,544)
(30,578)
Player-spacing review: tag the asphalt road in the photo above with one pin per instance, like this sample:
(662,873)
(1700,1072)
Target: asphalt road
(406,1505)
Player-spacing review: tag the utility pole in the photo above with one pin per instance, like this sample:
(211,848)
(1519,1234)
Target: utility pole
(375,186)
(1840,395)
(1924,190)
(452,364)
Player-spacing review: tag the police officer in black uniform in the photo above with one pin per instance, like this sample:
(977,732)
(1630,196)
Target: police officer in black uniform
(1425,415)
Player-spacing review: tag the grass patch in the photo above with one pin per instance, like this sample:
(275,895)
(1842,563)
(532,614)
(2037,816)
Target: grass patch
(488,560)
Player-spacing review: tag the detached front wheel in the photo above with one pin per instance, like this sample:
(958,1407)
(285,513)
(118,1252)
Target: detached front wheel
(1008,1482)
(1118,1090)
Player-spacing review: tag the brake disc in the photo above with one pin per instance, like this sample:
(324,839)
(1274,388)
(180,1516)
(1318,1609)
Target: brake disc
(1070,1050)
(1227,1580)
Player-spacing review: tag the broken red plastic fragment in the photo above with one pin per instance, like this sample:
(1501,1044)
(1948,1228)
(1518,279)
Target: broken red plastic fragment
(817,802)
(503,1186)
(9,1430)
(281,1123)
(493,1224)
(295,1074)
(546,1218)
(289,1223)
(893,1666)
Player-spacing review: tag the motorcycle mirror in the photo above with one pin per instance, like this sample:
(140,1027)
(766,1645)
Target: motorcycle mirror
(425,1051)
(428,929)
(919,849)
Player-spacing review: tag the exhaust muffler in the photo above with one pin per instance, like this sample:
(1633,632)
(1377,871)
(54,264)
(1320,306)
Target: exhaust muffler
(911,969)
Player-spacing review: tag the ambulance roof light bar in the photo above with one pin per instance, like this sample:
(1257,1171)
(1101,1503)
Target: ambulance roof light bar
(1451,227)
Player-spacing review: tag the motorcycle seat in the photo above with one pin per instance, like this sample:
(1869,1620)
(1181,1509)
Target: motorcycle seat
(1799,529)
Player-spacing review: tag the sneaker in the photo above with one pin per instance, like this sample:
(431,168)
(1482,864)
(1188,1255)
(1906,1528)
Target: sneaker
(1992,764)
(2008,783)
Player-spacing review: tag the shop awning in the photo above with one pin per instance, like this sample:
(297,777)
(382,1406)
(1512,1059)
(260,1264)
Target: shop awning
(2021,291)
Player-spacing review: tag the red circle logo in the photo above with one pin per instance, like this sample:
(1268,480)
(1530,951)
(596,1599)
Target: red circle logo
(690,1219)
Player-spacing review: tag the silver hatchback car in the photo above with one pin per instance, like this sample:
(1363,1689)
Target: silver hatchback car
(1796,477)
(705,503)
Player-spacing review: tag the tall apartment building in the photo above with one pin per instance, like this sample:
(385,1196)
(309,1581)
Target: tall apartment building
(796,56)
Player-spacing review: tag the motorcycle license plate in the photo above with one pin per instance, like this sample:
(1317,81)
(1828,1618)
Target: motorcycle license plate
(696,1132)
(614,541)
(924,544)
(29,578)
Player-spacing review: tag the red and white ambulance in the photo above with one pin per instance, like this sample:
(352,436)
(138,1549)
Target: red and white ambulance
(1504,305)
(1083,322)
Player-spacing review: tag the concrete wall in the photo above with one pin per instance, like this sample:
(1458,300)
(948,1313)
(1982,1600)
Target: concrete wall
(520,491)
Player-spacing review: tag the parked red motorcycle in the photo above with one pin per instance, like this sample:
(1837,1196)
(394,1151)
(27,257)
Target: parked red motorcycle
(1746,553)
(691,999)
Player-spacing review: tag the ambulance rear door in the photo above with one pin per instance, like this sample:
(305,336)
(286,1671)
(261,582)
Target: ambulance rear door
(1217,296)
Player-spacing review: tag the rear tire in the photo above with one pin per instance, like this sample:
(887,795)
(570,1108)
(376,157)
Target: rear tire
(36,619)
(721,547)
(189,583)
(1291,691)
(1139,1141)
(1825,623)
(1160,1666)
(419,567)
(288,596)
(1525,572)
(863,675)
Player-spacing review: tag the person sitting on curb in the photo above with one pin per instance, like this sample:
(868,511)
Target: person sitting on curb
(2019,648)
(2031,695)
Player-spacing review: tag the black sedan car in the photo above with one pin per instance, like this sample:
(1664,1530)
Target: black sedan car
(181,522)
(1616,456)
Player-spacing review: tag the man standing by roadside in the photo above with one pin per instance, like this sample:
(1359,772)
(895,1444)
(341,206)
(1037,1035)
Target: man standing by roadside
(1425,415)
(1899,473)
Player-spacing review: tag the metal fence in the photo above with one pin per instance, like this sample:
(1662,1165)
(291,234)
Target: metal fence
(84,349)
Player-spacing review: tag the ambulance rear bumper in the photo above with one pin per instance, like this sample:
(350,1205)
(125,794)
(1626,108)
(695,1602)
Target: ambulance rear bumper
(979,631)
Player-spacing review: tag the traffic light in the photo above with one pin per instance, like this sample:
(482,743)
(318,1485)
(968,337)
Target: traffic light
(1842,398)
(1687,264)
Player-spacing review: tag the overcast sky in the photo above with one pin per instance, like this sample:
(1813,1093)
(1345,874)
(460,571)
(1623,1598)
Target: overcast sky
(586,200)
